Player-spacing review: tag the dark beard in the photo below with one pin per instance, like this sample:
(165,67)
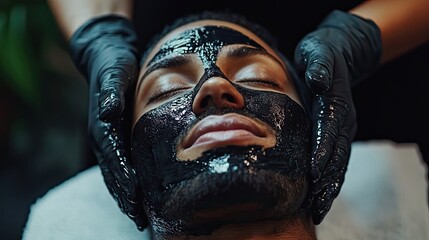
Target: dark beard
(234,193)
(213,200)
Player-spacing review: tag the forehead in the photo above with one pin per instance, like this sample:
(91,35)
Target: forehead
(205,37)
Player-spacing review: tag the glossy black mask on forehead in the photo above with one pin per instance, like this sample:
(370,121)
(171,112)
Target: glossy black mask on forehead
(205,41)
(174,189)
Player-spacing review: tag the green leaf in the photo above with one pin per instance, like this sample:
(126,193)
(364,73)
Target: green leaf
(16,60)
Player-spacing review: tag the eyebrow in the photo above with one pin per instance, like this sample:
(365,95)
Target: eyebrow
(169,62)
(182,60)
(245,51)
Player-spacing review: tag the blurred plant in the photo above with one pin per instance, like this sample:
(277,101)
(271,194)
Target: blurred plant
(43,104)
(25,31)
(33,63)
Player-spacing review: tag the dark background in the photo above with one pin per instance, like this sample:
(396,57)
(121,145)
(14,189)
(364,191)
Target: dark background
(43,108)
(43,111)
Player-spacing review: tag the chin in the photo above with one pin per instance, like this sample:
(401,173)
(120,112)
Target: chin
(210,200)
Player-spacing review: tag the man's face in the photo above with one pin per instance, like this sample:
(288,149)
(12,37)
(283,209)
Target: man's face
(219,134)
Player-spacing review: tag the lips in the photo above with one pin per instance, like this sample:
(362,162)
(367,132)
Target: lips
(220,126)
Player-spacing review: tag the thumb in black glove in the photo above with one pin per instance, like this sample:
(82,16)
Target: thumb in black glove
(341,52)
(103,49)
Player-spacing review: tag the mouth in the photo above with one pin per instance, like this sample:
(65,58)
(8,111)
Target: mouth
(222,130)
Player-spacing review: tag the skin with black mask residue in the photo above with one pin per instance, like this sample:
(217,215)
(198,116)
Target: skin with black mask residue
(182,197)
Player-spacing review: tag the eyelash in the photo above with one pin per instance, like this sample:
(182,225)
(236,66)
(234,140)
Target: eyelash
(163,95)
(260,82)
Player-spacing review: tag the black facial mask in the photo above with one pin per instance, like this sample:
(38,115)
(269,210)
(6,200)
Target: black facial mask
(176,192)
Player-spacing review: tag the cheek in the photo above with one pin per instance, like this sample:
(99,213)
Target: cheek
(279,111)
(159,128)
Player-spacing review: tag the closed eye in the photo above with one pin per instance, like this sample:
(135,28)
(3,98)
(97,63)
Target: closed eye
(162,95)
(259,82)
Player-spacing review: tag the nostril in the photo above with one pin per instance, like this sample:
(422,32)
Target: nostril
(229,98)
(218,93)
(205,102)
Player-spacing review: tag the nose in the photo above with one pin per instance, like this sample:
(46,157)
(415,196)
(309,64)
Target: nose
(219,93)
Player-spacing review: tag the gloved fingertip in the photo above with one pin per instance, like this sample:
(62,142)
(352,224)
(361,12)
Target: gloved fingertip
(318,78)
(141,223)
(111,107)
(140,228)
(317,213)
(316,219)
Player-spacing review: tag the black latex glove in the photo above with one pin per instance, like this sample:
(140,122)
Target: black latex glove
(341,52)
(104,51)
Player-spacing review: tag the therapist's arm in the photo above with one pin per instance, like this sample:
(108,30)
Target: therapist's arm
(404,24)
(71,14)
(344,50)
(102,42)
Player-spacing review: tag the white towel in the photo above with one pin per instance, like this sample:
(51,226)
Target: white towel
(384,197)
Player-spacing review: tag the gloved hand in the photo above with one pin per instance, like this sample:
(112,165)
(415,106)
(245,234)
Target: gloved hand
(341,52)
(104,51)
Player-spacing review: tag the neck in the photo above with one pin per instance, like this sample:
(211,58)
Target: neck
(300,229)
